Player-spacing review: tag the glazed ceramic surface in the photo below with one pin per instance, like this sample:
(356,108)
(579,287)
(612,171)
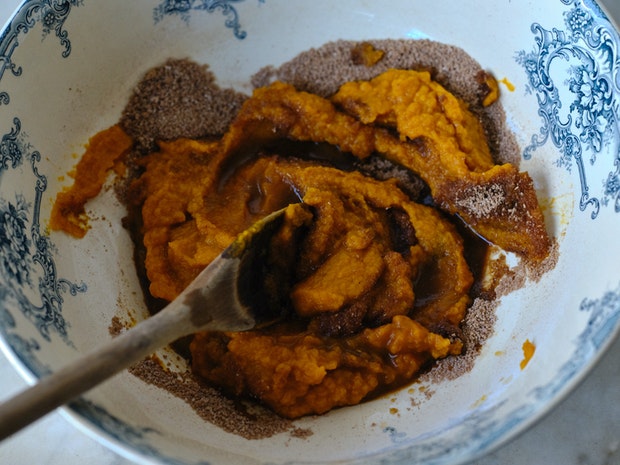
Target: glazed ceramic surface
(67,68)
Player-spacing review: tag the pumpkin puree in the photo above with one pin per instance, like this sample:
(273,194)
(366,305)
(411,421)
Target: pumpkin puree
(105,150)
(374,284)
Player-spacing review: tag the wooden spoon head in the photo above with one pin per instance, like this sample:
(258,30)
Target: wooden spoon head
(226,295)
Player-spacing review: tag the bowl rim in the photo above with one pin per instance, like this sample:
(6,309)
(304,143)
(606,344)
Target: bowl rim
(125,450)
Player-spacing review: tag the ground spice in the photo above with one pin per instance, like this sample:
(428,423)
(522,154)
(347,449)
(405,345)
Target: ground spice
(247,420)
(178,99)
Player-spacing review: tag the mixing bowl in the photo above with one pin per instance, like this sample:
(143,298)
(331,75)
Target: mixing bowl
(67,69)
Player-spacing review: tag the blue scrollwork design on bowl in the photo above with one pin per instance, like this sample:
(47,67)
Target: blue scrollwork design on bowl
(27,268)
(28,272)
(10,150)
(15,254)
(183,8)
(584,59)
(52,15)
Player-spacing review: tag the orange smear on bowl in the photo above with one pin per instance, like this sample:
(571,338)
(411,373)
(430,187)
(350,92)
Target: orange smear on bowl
(103,151)
(509,85)
(528,353)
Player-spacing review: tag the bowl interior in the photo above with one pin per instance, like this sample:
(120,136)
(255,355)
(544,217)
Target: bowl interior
(68,69)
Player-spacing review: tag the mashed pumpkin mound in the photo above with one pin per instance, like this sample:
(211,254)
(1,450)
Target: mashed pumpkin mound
(374,285)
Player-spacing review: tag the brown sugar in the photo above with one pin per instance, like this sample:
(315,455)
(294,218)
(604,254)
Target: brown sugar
(180,98)
(247,420)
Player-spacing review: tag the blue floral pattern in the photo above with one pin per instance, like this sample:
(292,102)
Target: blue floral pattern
(51,14)
(14,242)
(10,148)
(183,8)
(26,253)
(589,48)
(586,47)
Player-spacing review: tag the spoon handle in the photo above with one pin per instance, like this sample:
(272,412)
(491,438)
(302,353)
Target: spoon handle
(211,302)
(86,372)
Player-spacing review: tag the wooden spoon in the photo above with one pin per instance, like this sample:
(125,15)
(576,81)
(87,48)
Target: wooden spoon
(217,300)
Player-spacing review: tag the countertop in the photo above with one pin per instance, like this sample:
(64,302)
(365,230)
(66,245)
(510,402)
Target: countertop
(583,430)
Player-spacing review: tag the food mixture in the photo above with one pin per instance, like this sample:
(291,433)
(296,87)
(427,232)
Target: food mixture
(374,268)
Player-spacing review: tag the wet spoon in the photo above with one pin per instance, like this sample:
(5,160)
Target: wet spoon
(217,300)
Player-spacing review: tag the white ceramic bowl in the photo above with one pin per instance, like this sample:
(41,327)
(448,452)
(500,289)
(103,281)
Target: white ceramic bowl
(67,68)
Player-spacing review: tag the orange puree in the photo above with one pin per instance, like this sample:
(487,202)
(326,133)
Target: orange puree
(373,286)
(104,149)
(438,139)
(346,285)
(444,143)
(528,352)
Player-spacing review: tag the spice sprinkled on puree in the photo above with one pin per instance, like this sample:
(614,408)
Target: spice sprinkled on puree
(398,154)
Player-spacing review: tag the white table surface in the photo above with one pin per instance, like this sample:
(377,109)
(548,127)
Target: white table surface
(583,430)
